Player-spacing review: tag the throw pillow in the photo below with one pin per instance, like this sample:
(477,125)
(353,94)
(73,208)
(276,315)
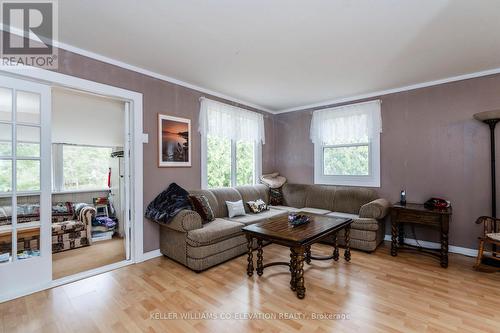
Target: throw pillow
(276,196)
(202,207)
(257,206)
(235,208)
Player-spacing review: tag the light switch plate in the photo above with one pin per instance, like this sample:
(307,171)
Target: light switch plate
(145,138)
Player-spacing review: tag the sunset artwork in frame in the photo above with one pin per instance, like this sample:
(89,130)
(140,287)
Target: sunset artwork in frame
(174,141)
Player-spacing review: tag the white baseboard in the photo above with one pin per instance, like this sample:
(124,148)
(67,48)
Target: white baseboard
(453,249)
(151,255)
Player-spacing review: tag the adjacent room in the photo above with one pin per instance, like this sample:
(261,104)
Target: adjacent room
(249,166)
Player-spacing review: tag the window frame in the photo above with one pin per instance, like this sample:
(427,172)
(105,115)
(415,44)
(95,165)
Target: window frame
(58,169)
(204,159)
(371,180)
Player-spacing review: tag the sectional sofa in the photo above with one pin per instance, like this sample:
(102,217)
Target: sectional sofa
(200,246)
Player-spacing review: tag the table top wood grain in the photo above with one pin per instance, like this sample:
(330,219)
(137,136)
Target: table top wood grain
(278,230)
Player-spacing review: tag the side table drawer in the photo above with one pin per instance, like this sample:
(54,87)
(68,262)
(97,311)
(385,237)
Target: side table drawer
(422,218)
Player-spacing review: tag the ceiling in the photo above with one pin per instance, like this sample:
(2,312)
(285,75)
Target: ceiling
(282,54)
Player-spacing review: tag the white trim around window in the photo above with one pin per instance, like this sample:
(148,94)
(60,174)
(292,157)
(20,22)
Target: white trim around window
(371,180)
(348,127)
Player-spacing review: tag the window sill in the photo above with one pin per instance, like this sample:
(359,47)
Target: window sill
(82,191)
(348,181)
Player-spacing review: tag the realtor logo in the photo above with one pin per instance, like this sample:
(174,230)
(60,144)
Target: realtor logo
(29,30)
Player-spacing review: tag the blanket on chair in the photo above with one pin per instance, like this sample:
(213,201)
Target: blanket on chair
(167,204)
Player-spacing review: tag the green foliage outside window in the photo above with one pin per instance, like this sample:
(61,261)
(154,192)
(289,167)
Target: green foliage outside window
(85,167)
(346,161)
(219,163)
(244,163)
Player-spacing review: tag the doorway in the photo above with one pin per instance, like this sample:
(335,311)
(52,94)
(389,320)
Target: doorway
(88,182)
(27,182)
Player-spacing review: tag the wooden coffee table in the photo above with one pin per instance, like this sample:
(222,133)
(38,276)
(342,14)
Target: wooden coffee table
(299,240)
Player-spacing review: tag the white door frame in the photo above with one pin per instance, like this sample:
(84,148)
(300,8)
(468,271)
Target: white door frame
(55,79)
(17,276)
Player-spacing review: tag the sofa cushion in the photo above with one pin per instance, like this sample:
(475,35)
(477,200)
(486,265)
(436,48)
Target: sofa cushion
(286,208)
(344,215)
(235,208)
(261,217)
(222,195)
(213,232)
(294,195)
(202,206)
(60,228)
(320,196)
(253,193)
(314,210)
(212,200)
(350,199)
(359,223)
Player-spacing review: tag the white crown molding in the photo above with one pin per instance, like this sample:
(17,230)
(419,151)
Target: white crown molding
(140,70)
(162,77)
(452,249)
(391,91)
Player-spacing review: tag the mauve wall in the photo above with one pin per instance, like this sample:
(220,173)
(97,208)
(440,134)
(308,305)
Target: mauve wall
(430,145)
(158,97)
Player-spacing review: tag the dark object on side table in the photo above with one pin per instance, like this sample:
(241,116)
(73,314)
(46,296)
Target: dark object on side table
(417,214)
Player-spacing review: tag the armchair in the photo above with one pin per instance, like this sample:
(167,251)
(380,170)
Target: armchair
(491,236)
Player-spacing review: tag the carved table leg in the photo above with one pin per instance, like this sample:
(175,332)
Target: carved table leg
(299,274)
(250,255)
(308,254)
(444,242)
(347,253)
(394,235)
(293,268)
(335,248)
(401,234)
(260,258)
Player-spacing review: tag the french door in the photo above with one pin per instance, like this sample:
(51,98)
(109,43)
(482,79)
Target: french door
(25,187)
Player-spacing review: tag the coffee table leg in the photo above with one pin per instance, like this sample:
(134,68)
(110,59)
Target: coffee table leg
(250,255)
(335,247)
(347,253)
(299,274)
(260,258)
(293,267)
(308,254)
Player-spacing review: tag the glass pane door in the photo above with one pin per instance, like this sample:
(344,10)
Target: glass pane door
(25,231)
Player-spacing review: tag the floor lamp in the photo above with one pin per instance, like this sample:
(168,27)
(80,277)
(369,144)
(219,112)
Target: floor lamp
(491,118)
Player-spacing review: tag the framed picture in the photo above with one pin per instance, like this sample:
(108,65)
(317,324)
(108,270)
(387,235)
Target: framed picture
(174,141)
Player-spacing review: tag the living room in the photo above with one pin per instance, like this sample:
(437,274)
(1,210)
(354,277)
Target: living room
(291,166)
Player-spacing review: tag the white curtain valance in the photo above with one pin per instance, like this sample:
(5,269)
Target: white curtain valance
(230,122)
(348,124)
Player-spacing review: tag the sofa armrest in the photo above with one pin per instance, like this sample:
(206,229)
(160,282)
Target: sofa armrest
(185,221)
(376,209)
(86,215)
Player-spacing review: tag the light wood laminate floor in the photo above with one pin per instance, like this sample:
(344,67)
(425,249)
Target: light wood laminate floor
(409,293)
(98,254)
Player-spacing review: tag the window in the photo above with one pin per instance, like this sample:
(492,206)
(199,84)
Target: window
(79,168)
(231,145)
(347,145)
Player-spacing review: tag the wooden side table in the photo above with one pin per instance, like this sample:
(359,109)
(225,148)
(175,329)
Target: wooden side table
(437,219)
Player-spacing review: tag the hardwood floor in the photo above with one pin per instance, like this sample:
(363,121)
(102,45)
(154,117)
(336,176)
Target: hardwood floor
(89,257)
(409,293)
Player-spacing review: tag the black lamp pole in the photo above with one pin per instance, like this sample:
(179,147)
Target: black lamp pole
(492,123)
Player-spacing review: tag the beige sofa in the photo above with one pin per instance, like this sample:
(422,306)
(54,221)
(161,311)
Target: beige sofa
(186,240)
